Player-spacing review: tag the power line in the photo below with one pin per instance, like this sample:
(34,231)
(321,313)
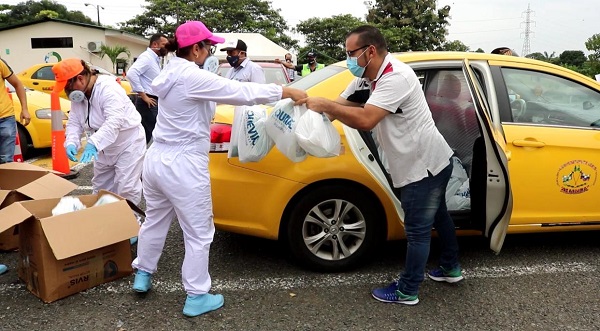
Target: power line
(526,43)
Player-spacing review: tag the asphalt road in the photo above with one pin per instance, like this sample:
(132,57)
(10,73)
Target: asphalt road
(538,282)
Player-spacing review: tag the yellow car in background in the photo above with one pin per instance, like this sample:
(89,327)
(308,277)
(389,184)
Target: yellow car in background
(38,134)
(526,136)
(41,78)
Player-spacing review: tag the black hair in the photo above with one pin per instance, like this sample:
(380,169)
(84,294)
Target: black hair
(156,37)
(370,35)
(173,46)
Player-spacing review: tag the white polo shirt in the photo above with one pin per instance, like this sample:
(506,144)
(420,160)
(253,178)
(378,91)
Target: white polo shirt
(248,71)
(412,144)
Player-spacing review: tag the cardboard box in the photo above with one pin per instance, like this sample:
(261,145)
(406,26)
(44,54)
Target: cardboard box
(66,254)
(23,181)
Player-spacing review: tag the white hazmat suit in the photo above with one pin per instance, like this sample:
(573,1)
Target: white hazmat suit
(111,122)
(176,179)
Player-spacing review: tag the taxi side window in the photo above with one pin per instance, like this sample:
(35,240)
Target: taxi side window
(44,73)
(543,99)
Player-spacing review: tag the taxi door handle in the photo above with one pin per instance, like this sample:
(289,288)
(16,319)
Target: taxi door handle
(528,143)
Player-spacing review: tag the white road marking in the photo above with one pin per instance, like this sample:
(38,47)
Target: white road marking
(327,280)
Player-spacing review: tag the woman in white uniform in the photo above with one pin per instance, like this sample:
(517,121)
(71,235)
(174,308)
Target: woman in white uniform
(176,179)
(115,136)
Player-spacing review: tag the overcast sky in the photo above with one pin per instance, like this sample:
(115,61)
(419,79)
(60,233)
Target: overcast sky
(556,25)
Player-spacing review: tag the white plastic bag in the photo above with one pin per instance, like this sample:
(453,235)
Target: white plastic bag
(253,141)
(106,198)
(67,205)
(458,177)
(317,136)
(235,130)
(281,125)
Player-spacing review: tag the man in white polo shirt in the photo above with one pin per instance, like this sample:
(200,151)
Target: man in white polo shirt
(386,97)
(242,68)
(140,75)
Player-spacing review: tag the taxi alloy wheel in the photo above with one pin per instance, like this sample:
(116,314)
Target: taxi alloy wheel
(333,228)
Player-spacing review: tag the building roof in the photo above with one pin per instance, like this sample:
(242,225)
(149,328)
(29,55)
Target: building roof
(109,32)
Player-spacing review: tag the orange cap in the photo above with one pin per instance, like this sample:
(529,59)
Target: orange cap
(65,70)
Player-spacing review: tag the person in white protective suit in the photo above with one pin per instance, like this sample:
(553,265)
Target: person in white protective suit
(176,178)
(116,140)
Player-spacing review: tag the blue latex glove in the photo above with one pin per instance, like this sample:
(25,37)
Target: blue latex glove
(71,152)
(89,153)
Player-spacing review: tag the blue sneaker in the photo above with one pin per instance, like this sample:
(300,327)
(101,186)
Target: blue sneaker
(449,276)
(142,282)
(133,240)
(196,305)
(3,269)
(391,294)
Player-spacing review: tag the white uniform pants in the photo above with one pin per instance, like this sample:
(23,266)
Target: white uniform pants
(122,173)
(176,183)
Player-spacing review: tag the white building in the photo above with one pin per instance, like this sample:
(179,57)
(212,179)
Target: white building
(49,40)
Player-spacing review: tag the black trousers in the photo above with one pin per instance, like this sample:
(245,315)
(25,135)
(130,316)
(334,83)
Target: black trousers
(148,115)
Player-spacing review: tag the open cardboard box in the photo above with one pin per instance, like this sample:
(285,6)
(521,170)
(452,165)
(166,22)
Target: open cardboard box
(23,181)
(66,254)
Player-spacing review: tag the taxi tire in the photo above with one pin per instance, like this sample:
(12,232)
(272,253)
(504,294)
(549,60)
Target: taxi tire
(366,204)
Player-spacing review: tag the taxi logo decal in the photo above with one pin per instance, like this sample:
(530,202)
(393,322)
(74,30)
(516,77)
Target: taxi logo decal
(576,176)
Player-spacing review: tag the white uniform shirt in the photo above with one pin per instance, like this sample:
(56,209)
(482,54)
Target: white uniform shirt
(408,136)
(211,64)
(187,97)
(109,115)
(143,71)
(248,71)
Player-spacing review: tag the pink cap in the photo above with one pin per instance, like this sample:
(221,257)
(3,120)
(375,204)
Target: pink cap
(192,32)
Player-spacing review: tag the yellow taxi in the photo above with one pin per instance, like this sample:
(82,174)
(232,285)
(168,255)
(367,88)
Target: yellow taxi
(40,77)
(38,134)
(526,136)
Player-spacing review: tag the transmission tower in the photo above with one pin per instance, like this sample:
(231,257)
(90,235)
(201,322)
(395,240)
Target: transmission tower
(526,42)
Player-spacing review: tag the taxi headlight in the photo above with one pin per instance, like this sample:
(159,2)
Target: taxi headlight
(46,114)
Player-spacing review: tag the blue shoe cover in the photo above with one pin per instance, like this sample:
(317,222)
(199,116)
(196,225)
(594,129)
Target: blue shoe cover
(142,282)
(133,240)
(3,269)
(196,305)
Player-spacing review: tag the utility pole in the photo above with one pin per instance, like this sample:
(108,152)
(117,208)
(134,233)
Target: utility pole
(97,10)
(526,43)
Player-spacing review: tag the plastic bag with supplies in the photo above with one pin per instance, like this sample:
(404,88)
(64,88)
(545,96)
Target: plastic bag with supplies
(235,130)
(281,126)
(317,136)
(253,141)
(66,205)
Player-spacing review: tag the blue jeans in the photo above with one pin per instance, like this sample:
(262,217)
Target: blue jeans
(8,138)
(424,206)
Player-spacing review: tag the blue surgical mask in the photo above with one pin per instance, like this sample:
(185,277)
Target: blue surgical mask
(355,69)
(233,60)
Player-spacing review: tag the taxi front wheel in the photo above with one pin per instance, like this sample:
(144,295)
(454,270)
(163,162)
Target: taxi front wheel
(334,228)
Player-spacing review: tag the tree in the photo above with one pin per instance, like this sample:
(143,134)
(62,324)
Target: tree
(219,15)
(34,10)
(327,36)
(543,57)
(572,58)
(480,50)
(414,25)
(113,53)
(454,45)
(593,45)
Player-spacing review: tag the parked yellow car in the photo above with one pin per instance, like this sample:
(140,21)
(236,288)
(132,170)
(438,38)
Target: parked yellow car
(38,134)
(40,77)
(526,133)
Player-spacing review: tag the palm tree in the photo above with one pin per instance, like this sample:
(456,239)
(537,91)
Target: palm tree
(113,53)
